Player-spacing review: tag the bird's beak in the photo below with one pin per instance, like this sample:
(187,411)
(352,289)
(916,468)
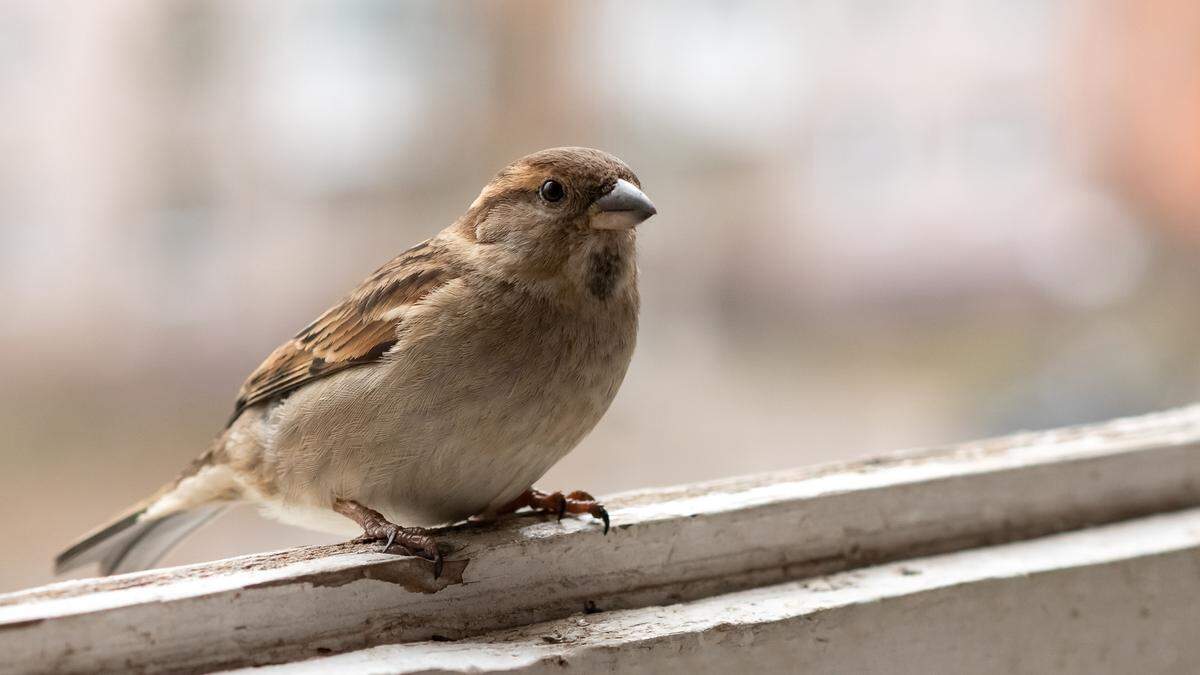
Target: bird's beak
(622,208)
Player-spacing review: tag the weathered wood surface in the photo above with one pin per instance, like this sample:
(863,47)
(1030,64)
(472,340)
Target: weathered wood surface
(1115,599)
(667,546)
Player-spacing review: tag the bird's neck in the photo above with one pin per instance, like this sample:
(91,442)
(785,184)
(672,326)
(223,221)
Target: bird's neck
(600,267)
(604,269)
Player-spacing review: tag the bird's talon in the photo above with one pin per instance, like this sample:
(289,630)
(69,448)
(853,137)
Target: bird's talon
(429,550)
(600,512)
(411,541)
(577,502)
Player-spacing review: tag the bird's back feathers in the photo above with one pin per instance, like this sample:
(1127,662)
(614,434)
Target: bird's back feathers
(358,330)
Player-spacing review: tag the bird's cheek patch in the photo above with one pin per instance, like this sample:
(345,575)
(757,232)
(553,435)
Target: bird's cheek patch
(488,230)
(500,221)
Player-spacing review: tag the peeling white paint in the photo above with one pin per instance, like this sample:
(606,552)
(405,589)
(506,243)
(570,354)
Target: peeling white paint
(1111,599)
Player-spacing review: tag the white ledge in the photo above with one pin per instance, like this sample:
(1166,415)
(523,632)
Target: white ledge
(1118,598)
(667,546)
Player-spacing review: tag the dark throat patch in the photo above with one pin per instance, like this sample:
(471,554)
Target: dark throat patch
(604,271)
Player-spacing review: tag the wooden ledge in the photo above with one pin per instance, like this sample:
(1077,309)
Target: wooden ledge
(1116,598)
(667,546)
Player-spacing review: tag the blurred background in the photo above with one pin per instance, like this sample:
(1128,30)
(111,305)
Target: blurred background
(882,224)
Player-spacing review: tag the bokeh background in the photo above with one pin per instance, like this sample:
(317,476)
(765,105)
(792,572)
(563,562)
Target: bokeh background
(882,224)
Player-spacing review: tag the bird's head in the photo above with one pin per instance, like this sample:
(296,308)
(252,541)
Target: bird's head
(580,190)
(556,206)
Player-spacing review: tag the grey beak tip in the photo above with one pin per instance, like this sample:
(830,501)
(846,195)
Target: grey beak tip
(626,198)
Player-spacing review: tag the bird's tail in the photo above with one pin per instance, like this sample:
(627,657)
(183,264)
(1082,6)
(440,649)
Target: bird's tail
(138,538)
(134,541)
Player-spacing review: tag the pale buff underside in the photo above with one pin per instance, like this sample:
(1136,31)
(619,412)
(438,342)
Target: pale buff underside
(481,396)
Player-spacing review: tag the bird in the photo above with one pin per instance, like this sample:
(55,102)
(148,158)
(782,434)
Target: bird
(440,389)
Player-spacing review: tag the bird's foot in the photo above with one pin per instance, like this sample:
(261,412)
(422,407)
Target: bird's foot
(411,540)
(578,502)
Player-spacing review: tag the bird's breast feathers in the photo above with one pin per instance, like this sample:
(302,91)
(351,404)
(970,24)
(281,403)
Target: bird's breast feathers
(470,407)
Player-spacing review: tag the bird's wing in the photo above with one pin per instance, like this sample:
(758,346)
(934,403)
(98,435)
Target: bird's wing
(358,330)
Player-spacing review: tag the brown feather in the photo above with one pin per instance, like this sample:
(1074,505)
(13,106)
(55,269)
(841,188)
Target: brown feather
(356,331)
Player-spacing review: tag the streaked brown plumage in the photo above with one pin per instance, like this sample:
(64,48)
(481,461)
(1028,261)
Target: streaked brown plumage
(442,387)
(356,331)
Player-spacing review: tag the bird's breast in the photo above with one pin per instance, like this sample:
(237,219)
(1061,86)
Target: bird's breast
(461,420)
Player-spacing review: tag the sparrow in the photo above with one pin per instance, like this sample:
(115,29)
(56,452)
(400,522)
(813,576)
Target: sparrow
(441,388)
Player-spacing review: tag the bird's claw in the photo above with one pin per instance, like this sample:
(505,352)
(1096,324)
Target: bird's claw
(585,503)
(413,541)
(598,511)
(578,502)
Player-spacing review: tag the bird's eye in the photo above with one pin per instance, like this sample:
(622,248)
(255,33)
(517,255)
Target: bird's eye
(552,191)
